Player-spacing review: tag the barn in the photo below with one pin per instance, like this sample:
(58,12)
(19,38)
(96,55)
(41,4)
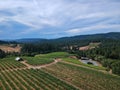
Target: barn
(18,59)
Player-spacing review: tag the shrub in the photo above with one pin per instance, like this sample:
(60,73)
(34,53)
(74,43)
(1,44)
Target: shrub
(90,63)
(116,68)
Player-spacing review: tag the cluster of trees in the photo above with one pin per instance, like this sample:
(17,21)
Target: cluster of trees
(41,48)
(51,46)
(109,49)
(116,68)
(2,54)
(108,54)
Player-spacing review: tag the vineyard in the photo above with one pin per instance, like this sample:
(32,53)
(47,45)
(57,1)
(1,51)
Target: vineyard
(85,79)
(30,79)
(65,74)
(16,76)
(10,64)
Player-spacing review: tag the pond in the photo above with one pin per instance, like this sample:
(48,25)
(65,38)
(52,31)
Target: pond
(91,61)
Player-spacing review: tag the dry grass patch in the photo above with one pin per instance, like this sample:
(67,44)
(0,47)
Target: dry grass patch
(9,48)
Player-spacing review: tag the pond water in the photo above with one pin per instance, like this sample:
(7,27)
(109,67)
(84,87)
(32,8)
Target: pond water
(90,60)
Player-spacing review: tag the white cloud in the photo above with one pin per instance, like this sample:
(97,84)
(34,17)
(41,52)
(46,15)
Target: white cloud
(74,31)
(32,13)
(38,14)
(92,28)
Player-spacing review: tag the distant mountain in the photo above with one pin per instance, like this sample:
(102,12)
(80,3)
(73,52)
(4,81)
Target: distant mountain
(88,38)
(2,42)
(92,37)
(111,35)
(30,40)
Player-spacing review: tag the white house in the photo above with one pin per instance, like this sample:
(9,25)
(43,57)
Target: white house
(18,59)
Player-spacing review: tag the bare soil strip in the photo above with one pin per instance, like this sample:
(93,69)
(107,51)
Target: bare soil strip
(10,49)
(39,66)
(28,66)
(27,84)
(6,82)
(15,78)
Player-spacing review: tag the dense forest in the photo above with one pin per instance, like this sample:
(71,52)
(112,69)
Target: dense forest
(108,54)
(41,48)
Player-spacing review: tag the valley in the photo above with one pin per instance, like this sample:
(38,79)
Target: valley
(60,64)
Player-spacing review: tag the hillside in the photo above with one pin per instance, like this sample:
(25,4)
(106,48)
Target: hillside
(54,65)
(30,40)
(2,42)
(45,72)
(89,47)
(10,48)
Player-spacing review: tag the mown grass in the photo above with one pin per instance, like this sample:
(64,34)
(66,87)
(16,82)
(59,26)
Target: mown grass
(48,58)
(38,60)
(45,58)
(54,55)
(76,61)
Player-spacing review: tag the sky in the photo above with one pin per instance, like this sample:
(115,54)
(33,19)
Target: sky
(57,18)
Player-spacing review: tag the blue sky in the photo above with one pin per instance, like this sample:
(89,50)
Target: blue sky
(57,18)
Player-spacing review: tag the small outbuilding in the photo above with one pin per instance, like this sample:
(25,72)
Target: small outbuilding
(18,59)
(84,58)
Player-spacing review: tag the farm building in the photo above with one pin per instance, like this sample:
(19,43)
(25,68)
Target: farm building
(18,59)
(84,58)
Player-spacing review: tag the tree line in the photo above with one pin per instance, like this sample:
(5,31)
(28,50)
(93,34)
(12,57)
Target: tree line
(108,54)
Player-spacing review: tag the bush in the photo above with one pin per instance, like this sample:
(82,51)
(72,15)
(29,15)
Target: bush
(116,68)
(90,63)
(2,54)
(108,63)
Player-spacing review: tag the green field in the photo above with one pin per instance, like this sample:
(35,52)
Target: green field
(54,55)
(48,58)
(38,60)
(84,78)
(45,58)
(76,61)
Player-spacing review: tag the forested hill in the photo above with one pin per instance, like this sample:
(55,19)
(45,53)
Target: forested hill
(2,42)
(79,40)
(111,35)
(97,37)
(30,40)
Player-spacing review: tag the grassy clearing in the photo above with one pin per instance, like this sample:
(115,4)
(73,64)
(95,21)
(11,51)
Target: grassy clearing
(85,79)
(45,58)
(76,61)
(48,58)
(9,48)
(90,46)
(54,55)
(38,60)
